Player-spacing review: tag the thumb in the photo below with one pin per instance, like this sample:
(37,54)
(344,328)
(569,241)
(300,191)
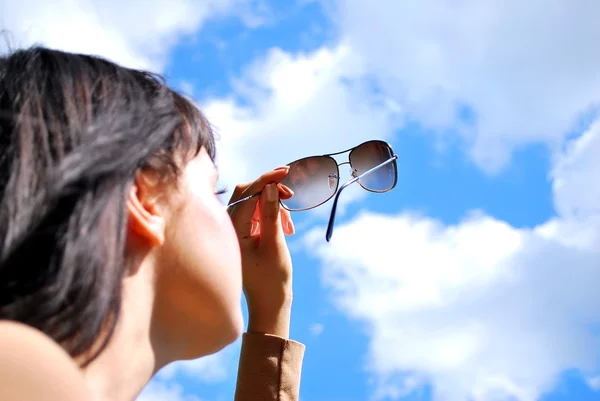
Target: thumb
(270,219)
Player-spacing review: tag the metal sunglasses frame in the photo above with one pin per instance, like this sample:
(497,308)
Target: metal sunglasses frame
(339,189)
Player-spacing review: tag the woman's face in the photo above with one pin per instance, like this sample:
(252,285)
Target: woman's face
(199,281)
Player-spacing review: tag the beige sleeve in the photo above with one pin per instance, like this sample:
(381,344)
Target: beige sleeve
(269,369)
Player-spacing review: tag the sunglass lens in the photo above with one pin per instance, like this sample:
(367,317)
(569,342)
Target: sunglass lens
(314,181)
(369,155)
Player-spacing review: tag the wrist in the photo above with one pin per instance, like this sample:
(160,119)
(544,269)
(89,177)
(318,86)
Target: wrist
(274,322)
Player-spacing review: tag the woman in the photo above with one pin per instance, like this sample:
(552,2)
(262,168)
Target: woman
(117,257)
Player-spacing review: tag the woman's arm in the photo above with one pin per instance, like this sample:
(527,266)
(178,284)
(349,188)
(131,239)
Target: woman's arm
(270,363)
(33,367)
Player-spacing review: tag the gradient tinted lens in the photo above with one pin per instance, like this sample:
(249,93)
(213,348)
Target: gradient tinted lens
(314,181)
(369,155)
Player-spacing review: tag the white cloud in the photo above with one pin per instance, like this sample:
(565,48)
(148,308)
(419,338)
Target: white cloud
(594,383)
(528,69)
(159,391)
(480,309)
(136,33)
(575,198)
(316,329)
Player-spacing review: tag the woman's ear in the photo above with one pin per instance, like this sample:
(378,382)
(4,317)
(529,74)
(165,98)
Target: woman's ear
(145,217)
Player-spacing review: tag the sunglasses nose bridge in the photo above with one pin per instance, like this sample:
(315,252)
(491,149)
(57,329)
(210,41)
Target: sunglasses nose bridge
(352,170)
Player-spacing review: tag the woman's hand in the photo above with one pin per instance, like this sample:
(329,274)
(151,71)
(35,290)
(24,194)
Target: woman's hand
(261,226)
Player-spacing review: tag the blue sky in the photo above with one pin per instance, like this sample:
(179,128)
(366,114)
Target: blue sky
(476,278)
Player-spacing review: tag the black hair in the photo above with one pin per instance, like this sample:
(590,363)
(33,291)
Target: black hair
(74,130)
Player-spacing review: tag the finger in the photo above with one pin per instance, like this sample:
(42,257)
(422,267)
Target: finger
(285,192)
(241,214)
(286,222)
(256,221)
(256,215)
(270,217)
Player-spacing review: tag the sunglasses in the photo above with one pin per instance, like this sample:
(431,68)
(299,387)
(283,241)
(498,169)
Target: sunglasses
(315,179)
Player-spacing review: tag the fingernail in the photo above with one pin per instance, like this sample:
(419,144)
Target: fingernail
(291,227)
(271,192)
(283,168)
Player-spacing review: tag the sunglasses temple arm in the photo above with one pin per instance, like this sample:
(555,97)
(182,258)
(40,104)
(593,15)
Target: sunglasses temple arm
(329,233)
(243,200)
(334,208)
